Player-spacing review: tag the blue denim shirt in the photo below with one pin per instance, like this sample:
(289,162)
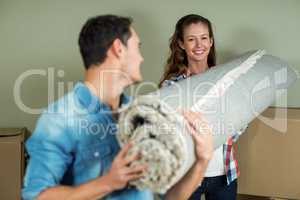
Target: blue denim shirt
(74,142)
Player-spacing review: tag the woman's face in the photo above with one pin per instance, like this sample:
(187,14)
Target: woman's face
(196,42)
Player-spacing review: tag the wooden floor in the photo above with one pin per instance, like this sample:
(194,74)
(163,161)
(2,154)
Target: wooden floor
(250,197)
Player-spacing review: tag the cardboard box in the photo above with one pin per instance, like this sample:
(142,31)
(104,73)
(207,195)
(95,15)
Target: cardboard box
(12,162)
(269,160)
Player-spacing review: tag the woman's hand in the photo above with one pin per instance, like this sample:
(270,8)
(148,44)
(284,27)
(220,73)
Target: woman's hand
(202,134)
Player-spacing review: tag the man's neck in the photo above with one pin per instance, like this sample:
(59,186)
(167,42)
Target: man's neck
(108,87)
(111,100)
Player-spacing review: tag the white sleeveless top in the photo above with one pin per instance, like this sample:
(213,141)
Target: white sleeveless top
(216,165)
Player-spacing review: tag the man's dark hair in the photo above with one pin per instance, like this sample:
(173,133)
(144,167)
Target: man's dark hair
(98,34)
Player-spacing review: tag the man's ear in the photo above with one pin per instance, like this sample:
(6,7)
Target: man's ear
(117,48)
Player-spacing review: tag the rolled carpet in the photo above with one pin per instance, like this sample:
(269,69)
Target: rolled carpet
(229,96)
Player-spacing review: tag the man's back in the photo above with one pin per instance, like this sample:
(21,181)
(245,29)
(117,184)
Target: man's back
(74,142)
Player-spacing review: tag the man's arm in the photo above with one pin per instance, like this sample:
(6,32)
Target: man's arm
(94,189)
(204,150)
(117,178)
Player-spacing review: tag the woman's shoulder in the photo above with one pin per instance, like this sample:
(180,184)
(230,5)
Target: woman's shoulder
(173,79)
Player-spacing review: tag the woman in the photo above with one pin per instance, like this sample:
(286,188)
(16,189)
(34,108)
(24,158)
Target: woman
(192,51)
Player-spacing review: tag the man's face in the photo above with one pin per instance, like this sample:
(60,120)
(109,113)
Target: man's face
(132,58)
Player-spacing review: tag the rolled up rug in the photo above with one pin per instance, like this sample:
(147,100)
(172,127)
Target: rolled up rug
(229,96)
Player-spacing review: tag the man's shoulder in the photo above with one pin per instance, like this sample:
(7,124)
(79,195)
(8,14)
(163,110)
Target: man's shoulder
(56,116)
(60,105)
(67,105)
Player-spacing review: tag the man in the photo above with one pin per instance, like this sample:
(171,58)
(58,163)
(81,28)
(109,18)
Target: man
(73,151)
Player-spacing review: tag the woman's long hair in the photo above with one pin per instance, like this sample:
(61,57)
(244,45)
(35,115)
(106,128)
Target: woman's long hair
(177,62)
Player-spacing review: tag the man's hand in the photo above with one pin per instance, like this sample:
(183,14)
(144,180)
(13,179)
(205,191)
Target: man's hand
(117,178)
(199,129)
(122,172)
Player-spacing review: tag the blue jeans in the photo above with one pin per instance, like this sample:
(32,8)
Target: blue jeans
(216,188)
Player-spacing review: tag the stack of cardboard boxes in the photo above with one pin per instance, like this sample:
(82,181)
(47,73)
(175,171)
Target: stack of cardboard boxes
(12,162)
(269,155)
